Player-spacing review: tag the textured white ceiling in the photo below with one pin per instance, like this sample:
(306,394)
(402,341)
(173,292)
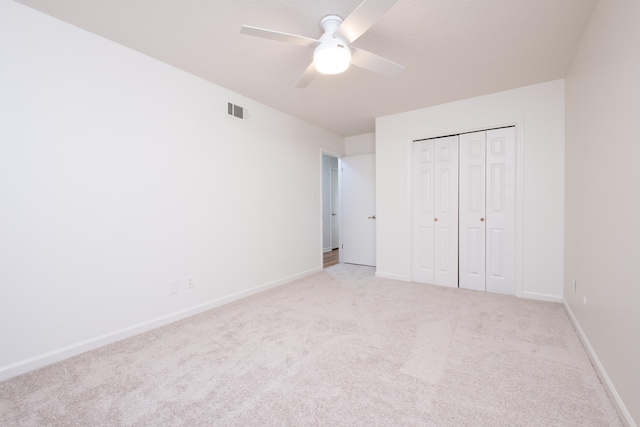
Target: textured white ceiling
(452,49)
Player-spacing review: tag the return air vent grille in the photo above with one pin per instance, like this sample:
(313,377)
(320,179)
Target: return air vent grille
(237,112)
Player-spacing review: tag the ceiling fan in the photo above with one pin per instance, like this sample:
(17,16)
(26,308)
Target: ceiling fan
(333,51)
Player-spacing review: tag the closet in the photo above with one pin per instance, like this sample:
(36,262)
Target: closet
(464,210)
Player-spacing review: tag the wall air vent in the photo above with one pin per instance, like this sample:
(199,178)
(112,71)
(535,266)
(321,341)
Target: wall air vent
(237,112)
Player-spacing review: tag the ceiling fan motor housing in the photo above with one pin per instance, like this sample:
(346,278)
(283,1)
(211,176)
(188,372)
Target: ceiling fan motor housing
(332,55)
(330,24)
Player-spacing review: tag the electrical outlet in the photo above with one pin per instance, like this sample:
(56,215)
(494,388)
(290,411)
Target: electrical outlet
(575,286)
(174,287)
(584,300)
(190,282)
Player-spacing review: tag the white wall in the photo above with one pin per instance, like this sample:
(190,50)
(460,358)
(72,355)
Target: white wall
(602,228)
(540,108)
(360,144)
(328,163)
(120,174)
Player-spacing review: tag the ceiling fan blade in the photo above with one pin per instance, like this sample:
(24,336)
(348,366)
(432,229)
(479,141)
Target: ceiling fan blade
(279,36)
(309,74)
(375,63)
(363,18)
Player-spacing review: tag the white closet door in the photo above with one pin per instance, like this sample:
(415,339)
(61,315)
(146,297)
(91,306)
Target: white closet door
(500,211)
(472,210)
(423,198)
(446,212)
(435,211)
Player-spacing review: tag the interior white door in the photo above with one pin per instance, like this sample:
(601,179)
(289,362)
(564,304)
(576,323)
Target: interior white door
(423,199)
(359,210)
(500,211)
(446,212)
(435,211)
(335,210)
(472,210)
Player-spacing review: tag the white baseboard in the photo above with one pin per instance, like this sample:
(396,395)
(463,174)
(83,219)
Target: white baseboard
(606,381)
(541,297)
(54,356)
(392,276)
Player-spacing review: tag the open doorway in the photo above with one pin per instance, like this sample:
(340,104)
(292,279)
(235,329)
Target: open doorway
(331,210)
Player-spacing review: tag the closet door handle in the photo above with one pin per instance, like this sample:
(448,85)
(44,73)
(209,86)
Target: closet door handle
(481,219)
(435,219)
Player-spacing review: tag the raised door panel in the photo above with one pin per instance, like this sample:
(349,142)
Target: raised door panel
(472,211)
(423,200)
(424,253)
(497,267)
(446,212)
(500,211)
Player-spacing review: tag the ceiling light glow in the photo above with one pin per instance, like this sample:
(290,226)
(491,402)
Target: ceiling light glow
(332,57)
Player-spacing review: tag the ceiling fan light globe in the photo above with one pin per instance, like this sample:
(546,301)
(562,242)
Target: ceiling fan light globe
(332,57)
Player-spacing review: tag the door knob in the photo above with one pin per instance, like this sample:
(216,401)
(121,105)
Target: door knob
(333,214)
(481,219)
(371,217)
(435,219)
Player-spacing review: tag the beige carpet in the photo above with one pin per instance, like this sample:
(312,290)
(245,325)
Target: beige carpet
(337,348)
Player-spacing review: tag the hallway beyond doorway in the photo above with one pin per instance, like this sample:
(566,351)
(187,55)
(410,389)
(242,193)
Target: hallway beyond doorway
(330,258)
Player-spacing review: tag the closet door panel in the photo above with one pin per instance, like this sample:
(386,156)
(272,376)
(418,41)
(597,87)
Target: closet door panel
(472,211)
(446,212)
(500,219)
(423,200)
